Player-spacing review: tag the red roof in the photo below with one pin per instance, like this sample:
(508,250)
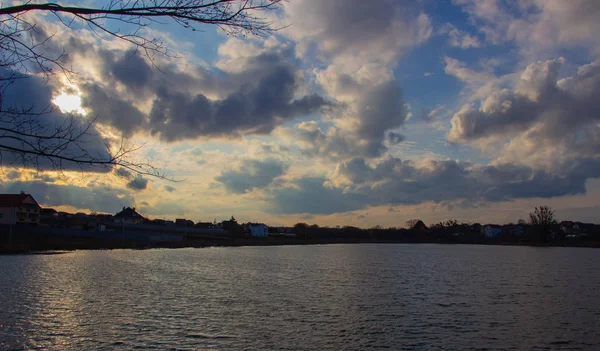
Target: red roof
(11,200)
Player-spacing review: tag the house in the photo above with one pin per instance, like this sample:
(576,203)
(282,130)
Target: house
(128,216)
(158,222)
(103,218)
(48,216)
(258,230)
(491,231)
(286,230)
(182,222)
(513,230)
(19,209)
(569,227)
(205,225)
(419,227)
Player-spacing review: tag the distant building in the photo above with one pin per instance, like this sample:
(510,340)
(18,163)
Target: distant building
(283,229)
(419,227)
(182,222)
(158,222)
(19,209)
(514,230)
(128,216)
(206,225)
(258,230)
(491,231)
(104,218)
(48,216)
(569,227)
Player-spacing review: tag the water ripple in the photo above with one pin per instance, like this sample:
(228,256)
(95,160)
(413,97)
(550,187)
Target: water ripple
(333,297)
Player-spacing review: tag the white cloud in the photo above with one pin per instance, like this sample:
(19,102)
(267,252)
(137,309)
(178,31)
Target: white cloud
(546,121)
(539,27)
(460,38)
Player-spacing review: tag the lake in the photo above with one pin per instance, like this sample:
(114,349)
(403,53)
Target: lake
(317,297)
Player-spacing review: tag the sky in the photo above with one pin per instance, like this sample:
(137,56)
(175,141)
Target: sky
(353,113)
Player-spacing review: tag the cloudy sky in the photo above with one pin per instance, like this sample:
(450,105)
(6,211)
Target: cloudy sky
(356,113)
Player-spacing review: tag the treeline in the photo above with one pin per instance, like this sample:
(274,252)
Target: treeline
(541,227)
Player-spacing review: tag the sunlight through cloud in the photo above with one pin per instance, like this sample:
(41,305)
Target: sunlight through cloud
(69,103)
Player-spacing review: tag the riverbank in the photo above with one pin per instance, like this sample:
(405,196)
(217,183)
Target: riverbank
(62,245)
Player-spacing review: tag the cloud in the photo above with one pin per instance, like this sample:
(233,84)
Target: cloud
(138,183)
(169,188)
(251,174)
(260,94)
(356,185)
(430,115)
(163,208)
(28,110)
(460,38)
(13,174)
(540,108)
(357,47)
(357,31)
(460,70)
(96,198)
(363,127)
(310,195)
(538,26)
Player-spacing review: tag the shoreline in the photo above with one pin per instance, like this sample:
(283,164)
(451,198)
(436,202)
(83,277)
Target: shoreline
(20,249)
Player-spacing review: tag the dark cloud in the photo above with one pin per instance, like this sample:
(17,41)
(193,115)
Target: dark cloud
(99,199)
(138,183)
(541,105)
(374,113)
(261,96)
(110,108)
(381,109)
(358,185)
(130,69)
(395,138)
(32,92)
(252,174)
(122,172)
(255,109)
(310,195)
(169,188)
(13,174)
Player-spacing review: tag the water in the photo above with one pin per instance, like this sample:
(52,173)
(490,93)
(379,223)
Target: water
(331,297)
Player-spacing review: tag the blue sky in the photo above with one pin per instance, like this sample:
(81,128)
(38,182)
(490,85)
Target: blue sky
(359,113)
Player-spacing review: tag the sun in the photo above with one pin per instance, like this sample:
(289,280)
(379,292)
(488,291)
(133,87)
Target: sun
(69,103)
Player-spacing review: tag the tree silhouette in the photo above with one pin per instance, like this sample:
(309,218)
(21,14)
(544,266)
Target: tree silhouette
(542,215)
(542,220)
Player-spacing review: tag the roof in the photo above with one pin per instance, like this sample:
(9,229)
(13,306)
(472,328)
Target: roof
(418,225)
(10,200)
(128,212)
